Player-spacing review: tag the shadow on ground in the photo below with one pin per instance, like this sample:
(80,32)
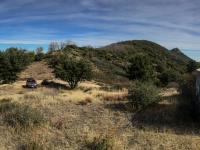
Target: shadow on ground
(161,117)
(117,106)
(53,84)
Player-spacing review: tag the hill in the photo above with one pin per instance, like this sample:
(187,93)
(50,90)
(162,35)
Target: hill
(111,61)
(157,53)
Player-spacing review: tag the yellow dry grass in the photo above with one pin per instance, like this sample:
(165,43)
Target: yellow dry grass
(73,126)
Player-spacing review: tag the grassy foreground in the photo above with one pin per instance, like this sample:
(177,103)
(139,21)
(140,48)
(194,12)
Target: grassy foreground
(88,118)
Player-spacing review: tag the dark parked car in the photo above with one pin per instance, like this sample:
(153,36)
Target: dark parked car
(30,82)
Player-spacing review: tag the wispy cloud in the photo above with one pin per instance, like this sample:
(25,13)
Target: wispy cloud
(101,22)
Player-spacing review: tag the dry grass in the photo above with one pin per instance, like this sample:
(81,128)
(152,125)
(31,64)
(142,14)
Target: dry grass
(38,70)
(102,115)
(116,97)
(73,126)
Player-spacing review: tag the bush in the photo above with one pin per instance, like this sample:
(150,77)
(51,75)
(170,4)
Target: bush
(168,76)
(6,105)
(39,57)
(24,116)
(192,66)
(99,143)
(143,94)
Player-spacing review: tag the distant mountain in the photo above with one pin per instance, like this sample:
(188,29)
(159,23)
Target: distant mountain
(157,53)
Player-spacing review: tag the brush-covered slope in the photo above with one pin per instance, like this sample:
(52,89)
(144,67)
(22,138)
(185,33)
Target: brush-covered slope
(110,62)
(158,54)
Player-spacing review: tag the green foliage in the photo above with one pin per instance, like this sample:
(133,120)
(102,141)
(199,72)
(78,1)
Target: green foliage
(158,54)
(188,108)
(31,55)
(12,62)
(111,62)
(143,94)
(161,68)
(168,76)
(139,67)
(100,143)
(73,46)
(73,71)
(39,56)
(192,66)
(57,59)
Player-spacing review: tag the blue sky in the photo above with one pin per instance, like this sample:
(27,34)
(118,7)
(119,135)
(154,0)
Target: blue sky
(32,23)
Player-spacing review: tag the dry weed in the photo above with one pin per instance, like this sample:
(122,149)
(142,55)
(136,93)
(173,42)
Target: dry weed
(104,139)
(75,127)
(116,97)
(88,99)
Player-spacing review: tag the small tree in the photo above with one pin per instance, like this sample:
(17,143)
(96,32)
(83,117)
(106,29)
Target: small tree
(139,67)
(53,46)
(12,62)
(31,55)
(73,71)
(39,50)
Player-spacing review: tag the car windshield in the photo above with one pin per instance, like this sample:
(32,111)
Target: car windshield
(30,80)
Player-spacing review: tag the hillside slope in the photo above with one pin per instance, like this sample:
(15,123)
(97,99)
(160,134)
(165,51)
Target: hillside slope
(38,70)
(157,53)
(112,60)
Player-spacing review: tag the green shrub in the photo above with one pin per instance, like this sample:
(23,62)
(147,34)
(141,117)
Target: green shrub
(168,76)
(12,62)
(139,67)
(31,55)
(99,143)
(143,94)
(20,116)
(39,57)
(24,116)
(192,66)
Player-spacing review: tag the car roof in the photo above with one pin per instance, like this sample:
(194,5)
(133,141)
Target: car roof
(30,79)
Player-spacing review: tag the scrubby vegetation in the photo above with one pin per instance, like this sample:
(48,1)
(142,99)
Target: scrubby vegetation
(73,71)
(12,62)
(142,96)
(20,116)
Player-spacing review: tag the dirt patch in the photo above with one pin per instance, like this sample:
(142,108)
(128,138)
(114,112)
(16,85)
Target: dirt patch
(38,70)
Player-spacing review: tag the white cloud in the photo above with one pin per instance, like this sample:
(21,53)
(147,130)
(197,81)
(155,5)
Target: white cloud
(88,22)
